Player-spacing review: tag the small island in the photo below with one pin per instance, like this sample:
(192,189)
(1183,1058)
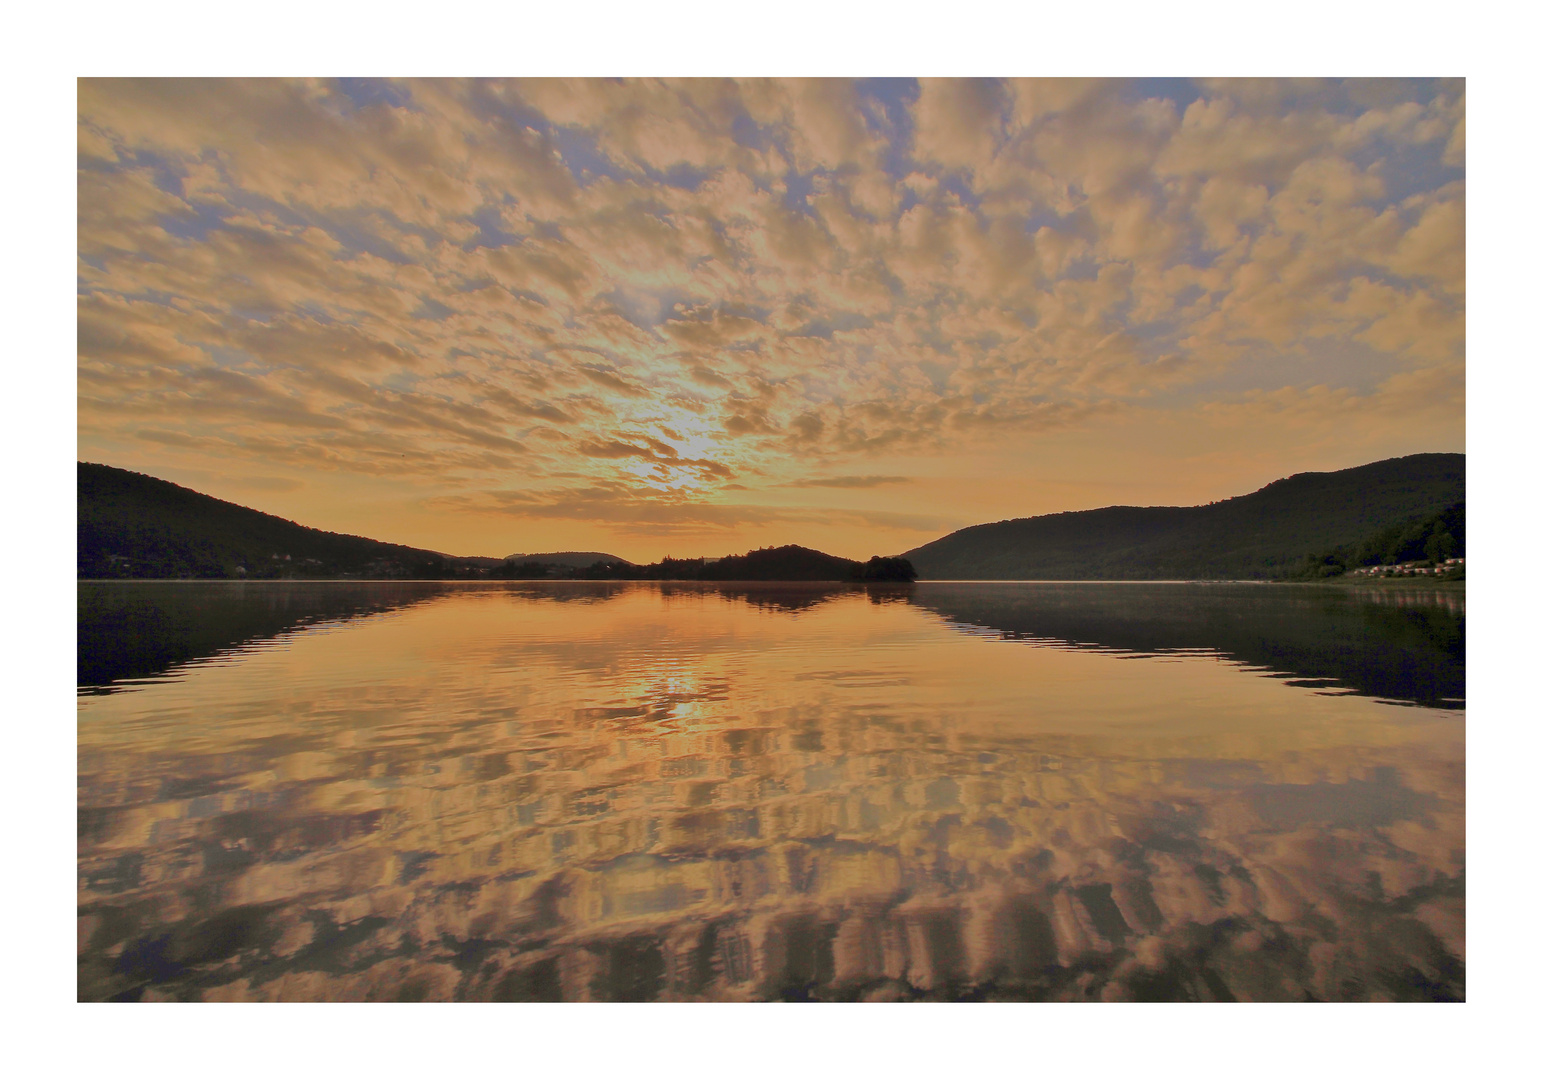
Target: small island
(787,563)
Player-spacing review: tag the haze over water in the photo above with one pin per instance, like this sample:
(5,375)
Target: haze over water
(608,791)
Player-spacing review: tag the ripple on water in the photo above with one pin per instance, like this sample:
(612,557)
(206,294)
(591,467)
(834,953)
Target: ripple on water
(659,794)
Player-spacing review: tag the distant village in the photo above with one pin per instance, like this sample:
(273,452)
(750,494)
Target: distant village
(1422,567)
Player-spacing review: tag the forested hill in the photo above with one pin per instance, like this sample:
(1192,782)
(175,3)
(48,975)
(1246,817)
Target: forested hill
(574,559)
(129,525)
(787,563)
(1265,534)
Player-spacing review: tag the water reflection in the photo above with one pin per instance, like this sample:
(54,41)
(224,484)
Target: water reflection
(1400,645)
(130,631)
(640,792)
(1397,644)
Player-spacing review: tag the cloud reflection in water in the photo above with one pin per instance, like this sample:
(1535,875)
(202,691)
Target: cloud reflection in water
(680,793)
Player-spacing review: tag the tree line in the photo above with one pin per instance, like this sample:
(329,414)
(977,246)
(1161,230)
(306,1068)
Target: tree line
(1432,539)
(786,563)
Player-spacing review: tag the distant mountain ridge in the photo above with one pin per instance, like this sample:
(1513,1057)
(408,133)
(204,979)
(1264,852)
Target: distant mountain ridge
(787,563)
(1259,535)
(575,559)
(134,526)
(129,525)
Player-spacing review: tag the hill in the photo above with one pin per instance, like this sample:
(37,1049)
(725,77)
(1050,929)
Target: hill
(1437,539)
(1266,534)
(576,559)
(129,525)
(787,563)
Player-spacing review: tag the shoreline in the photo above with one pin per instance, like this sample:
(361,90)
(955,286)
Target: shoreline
(1416,582)
(1411,582)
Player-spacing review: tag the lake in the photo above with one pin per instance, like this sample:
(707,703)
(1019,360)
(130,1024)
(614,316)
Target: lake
(674,791)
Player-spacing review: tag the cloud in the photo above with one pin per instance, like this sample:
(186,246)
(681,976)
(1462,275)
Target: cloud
(265,483)
(958,121)
(715,282)
(609,381)
(645,514)
(849,481)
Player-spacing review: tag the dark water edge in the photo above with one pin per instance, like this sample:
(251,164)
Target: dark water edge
(1392,645)
(1395,644)
(131,630)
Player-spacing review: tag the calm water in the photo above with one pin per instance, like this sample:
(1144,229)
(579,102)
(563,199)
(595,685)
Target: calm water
(596,791)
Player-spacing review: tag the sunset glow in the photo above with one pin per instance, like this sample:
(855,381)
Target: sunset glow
(695,317)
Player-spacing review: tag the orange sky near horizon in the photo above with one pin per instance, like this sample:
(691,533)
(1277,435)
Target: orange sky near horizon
(699,316)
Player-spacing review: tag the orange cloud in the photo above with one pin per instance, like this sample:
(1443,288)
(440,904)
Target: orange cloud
(452,283)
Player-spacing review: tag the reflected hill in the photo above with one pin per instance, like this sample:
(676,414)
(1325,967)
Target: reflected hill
(1396,645)
(787,596)
(128,631)
(770,596)
(139,630)
(562,592)
(1399,646)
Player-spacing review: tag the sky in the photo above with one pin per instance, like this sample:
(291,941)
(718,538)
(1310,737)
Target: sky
(700,316)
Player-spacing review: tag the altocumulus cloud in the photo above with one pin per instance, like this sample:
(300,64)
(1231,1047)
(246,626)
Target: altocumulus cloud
(849,481)
(662,291)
